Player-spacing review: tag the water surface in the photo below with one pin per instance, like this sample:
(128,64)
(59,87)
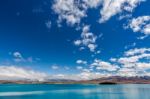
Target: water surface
(43,91)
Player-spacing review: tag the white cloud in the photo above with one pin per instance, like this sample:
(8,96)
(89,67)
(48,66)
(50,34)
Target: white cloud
(77,42)
(18,73)
(113,7)
(72,11)
(98,52)
(127,60)
(89,75)
(55,67)
(102,65)
(135,62)
(128,72)
(143,65)
(133,59)
(113,59)
(92,47)
(88,39)
(130,45)
(79,76)
(81,62)
(83,75)
(68,10)
(136,51)
(18,57)
(92,3)
(141,24)
(142,37)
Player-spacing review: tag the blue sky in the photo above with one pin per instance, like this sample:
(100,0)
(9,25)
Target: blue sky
(77,37)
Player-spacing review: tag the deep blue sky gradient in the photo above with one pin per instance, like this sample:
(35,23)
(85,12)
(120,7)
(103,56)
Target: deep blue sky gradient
(23,29)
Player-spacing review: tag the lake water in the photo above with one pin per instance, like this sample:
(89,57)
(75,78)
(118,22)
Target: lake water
(36,91)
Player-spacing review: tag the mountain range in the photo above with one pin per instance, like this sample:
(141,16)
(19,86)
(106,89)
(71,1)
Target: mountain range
(104,80)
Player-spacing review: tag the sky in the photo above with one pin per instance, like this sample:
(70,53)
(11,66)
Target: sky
(74,39)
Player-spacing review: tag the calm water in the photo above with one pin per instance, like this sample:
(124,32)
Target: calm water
(11,91)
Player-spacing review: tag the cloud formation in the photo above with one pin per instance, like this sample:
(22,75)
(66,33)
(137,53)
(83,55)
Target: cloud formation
(19,73)
(72,11)
(102,65)
(19,58)
(134,62)
(81,62)
(68,10)
(88,39)
(141,24)
(113,7)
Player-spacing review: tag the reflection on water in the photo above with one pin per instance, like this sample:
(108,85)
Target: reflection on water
(21,93)
(75,91)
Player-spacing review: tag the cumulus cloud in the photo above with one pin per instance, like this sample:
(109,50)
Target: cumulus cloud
(18,73)
(102,65)
(128,72)
(19,57)
(141,24)
(92,3)
(68,10)
(88,39)
(113,59)
(77,42)
(131,60)
(17,54)
(135,51)
(72,11)
(81,62)
(113,7)
(135,62)
(143,65)
(92,47)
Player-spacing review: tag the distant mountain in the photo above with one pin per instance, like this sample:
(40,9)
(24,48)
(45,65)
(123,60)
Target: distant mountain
(122,80)
(104,80)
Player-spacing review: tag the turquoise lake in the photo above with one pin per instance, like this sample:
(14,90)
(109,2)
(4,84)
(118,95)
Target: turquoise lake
(37,91)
